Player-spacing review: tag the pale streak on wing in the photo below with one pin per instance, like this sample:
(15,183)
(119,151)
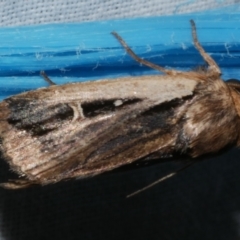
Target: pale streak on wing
(155,87)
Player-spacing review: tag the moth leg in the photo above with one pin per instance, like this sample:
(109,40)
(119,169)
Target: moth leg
(161,179)
(141,60)
(46,78)
(213,67)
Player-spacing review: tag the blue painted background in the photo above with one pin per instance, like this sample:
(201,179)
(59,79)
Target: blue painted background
(87,51)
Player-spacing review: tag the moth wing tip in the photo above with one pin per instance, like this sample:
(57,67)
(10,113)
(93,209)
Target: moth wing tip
(16,184)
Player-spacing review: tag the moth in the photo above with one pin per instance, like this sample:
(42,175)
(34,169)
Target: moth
(79,130)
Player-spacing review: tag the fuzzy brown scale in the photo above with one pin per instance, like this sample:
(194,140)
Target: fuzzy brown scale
(84,129)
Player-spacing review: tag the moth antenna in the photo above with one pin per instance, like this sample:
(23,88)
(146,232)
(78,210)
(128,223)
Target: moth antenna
(46,78)
(160,180)
(141,60)
(213,67)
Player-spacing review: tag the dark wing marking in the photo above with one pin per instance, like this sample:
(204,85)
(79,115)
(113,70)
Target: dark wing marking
(131,134)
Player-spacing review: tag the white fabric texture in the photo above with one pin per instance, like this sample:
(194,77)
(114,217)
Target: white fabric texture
(15,13)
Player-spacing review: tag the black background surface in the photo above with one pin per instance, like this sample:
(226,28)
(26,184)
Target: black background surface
(201,202)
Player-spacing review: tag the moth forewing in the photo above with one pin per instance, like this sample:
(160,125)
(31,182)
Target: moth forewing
(40,144)
(83,129)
